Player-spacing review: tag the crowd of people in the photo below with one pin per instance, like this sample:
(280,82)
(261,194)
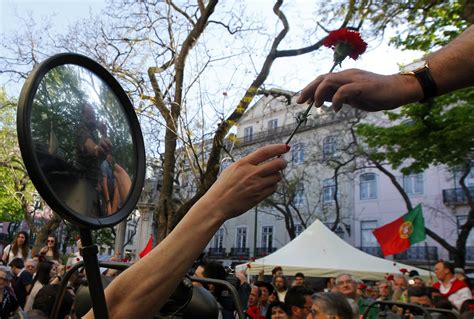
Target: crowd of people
(345,297)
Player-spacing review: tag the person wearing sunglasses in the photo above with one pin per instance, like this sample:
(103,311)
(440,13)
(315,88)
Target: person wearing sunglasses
(50,252)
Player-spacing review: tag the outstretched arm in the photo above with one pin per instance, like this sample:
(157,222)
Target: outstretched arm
(451,67)
(141,290)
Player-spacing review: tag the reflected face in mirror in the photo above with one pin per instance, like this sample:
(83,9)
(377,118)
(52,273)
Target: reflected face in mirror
(83,141)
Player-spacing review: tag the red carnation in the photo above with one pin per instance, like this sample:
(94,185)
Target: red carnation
(249,266)
(389,277)
(362,286)
(403,270)
(252,259)
(345,42)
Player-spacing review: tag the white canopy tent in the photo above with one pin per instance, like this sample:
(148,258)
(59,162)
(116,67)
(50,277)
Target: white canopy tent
(318,252)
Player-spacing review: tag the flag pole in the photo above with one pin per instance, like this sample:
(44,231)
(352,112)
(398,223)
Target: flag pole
(428,259)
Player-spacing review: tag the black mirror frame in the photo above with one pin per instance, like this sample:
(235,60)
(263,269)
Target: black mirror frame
(28,154)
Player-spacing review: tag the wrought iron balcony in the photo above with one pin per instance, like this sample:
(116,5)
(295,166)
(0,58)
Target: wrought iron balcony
(456,196)
(374,251)
(419,253)
(216,252)
(264,251)
(239,252)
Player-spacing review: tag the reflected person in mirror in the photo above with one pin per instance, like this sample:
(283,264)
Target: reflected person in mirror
(141,290)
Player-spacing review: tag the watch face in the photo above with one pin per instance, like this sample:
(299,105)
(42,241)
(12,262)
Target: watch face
(415,66)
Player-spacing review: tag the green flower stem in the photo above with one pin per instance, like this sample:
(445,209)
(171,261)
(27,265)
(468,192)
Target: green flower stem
(305,115)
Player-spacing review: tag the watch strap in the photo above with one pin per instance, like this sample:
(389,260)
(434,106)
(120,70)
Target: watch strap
(427,83)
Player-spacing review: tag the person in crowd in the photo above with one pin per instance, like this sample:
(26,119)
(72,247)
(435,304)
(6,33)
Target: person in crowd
(330,305)
(449,286)
(299,279)
(252,310)
(8,301)
(331,285)
(23,280)
(50,251)
(420,296)
(347,286)
(243,287)
(215,270)
(273,297)
(277,271)
(44,301)
(417,282)
(153,278)
(399,288)
(445,70)
(298,302)
(30,266)
(266,289)
(45,274)
(279,282)
(461,275)
(17,249)
(385,290)
(277,310)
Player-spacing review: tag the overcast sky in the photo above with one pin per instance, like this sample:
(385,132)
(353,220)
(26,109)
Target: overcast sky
(378,58)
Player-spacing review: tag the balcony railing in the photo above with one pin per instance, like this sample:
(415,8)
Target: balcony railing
(216,252)
(241,253)
(283,131)
(374,251)
(456,196)
(264,251)
(418,253)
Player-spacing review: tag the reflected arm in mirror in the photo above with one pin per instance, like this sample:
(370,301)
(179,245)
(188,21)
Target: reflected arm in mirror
(141,290)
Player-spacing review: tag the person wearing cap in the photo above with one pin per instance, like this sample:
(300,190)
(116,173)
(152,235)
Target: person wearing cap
(8,302)
(449,286)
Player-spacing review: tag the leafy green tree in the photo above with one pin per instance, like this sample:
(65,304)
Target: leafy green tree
(437,133)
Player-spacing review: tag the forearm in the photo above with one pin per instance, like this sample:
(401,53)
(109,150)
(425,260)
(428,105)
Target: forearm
(452,66)
(157,275)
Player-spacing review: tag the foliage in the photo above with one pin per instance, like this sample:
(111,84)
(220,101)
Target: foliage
(426,134)
(12,173)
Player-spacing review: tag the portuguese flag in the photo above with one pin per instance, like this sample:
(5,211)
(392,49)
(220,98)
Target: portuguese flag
(403,232)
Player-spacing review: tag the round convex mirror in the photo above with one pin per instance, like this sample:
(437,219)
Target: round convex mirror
(81,141)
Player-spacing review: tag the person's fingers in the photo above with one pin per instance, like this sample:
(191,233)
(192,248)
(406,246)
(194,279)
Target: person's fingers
(328,88)
(308,92)
(265,153)
(348,94)
(271,167)
(270,180)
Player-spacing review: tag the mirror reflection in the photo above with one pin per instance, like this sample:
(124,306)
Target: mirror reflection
(83,141)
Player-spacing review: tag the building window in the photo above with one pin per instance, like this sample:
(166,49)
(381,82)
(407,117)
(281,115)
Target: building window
(273,124)
(241,237)
(329,189)
(469,181)
(297,153)
(413,184)
(298,200)
(267,236)
(366,233)
(298,229)
(368,186)
(329,146)
(461,220)
(219,239)
(248,132)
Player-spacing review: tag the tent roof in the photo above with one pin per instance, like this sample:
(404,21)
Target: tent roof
(318,252)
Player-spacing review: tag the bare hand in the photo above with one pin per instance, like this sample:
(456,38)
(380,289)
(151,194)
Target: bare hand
(247,182)
(363,90)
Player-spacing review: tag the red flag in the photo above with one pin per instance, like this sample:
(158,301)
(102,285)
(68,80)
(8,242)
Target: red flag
(147,249)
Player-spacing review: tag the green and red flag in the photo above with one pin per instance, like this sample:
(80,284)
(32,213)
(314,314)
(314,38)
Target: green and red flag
(399,235)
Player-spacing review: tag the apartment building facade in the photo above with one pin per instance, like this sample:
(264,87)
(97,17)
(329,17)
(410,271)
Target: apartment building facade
(321,164)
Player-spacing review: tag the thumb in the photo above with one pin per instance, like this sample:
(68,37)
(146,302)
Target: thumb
(347,94)
(264,153)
